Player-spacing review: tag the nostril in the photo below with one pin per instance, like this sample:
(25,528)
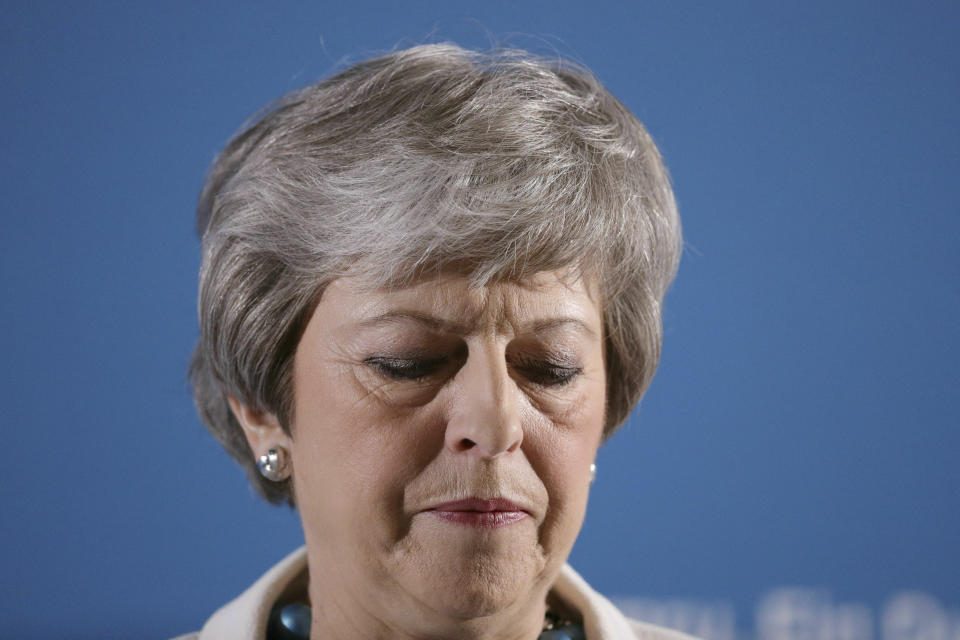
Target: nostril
(465,444)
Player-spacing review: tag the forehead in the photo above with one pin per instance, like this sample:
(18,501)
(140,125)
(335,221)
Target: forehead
(450,303)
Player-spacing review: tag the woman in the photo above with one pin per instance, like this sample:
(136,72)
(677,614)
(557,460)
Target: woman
(430,289)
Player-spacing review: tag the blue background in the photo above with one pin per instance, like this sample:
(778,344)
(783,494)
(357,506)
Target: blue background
(802,429)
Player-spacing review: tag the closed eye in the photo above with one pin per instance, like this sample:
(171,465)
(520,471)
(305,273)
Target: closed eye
(405,368)
(548,374)
(543,373)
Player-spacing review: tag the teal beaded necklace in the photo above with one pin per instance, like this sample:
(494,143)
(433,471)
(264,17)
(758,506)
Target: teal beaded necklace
(292,622)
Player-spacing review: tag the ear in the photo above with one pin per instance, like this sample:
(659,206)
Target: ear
(262,429)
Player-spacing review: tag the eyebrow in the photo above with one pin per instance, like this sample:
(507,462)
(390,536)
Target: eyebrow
(449,326)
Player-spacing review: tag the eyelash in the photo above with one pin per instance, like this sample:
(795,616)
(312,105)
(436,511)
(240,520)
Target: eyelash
(556,375)
(412,369)
(545,374)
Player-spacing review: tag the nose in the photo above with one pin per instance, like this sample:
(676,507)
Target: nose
(484,418)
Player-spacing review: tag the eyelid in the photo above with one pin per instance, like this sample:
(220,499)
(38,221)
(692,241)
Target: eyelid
(555,370)
(550,366)
(405,367)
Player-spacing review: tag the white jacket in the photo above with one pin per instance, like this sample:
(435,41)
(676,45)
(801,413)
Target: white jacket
(246,617)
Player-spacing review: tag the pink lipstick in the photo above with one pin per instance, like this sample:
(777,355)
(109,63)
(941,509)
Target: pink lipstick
(476,512)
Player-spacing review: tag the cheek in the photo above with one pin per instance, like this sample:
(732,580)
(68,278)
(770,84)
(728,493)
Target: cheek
(565,473)
(562,454)
(353,458)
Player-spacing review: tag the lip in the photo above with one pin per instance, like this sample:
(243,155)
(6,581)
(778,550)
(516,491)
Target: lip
(480,512)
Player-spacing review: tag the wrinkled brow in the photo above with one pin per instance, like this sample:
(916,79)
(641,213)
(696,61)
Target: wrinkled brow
(449,326)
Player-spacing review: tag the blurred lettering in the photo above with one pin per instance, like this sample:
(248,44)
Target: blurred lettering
(803,614)
(916,616)
(709,621)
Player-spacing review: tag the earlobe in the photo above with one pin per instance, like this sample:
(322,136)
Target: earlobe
(261,428)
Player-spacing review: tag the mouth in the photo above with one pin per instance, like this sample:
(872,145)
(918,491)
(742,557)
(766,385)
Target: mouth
(480,513)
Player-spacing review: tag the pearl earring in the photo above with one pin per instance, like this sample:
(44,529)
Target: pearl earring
(274,465)
(593,472)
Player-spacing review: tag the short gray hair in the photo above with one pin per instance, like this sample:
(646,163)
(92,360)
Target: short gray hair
(496,165)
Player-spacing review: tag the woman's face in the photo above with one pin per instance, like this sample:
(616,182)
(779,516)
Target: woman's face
(442,442)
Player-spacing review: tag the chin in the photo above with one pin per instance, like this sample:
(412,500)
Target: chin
(486,593)
(478,580)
